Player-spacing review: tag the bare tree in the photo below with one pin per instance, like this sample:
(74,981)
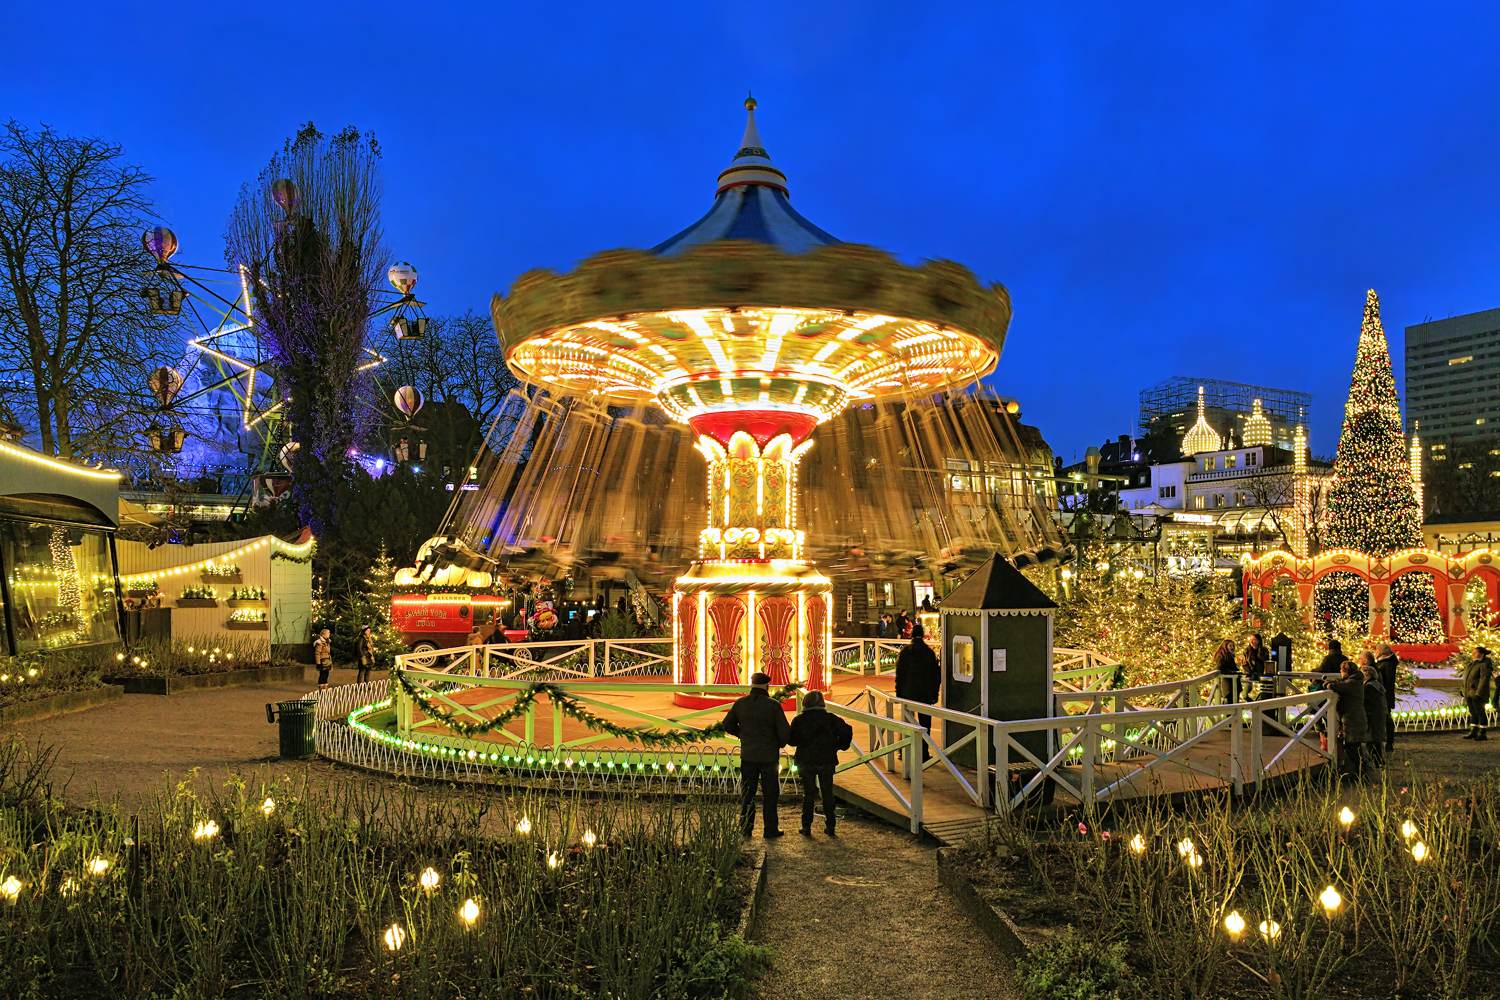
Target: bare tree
(314,254)
(74,328)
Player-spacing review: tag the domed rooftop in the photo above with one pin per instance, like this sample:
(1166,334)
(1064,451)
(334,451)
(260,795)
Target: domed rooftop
(751,203)
(1201,436)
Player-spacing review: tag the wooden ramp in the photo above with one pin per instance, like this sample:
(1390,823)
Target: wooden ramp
(950,816)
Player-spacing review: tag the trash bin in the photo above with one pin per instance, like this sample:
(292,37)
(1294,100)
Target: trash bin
(297,719)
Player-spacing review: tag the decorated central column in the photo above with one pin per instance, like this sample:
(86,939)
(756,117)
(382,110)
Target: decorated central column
(751,602)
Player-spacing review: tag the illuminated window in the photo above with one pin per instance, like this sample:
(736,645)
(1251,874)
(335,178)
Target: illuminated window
(1209,464)
(963,658)
(1460,361)
(1229,461)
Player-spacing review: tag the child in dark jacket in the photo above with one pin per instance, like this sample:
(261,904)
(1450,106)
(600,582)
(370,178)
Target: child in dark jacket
(818,735)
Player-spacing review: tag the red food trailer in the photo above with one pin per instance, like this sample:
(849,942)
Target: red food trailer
(429,622)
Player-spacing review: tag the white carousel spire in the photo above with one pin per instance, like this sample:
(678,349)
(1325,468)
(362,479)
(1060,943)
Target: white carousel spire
(1201,437)
(751,164)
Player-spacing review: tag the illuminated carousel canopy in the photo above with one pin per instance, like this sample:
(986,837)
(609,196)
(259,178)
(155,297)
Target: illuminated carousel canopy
(752,326)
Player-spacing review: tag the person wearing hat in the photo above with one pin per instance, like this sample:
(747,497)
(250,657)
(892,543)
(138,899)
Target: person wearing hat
(919,677)
(367,654)
(760,723)
(818,735)
(1476,688)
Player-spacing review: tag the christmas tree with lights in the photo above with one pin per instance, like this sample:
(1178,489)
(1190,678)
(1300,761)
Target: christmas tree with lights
(1372,506)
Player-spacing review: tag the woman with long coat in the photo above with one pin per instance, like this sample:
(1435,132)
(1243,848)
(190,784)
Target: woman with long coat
(1228,670)
(1355,733)
(1377,715)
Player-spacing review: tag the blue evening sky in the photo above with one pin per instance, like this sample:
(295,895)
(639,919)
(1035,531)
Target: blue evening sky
(1199,189)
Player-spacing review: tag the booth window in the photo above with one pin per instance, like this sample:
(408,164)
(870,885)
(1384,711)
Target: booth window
(61,582)
(963,658)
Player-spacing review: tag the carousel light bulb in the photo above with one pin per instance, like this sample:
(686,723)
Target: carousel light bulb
(1234,923)
(469,913)
(98,866)
(394,937)
(1331,900)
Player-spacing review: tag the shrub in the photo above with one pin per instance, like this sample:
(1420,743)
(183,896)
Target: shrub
(1075,966)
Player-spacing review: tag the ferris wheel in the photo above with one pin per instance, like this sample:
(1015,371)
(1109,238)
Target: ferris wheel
(226,352)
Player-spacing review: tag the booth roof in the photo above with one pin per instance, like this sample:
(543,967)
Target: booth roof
(997,586)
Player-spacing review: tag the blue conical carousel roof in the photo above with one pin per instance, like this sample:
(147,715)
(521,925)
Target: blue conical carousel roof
(751,204)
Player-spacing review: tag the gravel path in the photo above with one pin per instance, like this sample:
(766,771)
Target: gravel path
(865,916)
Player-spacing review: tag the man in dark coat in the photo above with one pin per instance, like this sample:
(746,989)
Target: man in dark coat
(1350,688)
(759,722)
(1478,675)
(1334,659)
(818,735)
(918,677)
(1385,664)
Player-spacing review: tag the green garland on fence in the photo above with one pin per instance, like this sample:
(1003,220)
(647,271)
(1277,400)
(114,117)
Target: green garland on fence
(573,708)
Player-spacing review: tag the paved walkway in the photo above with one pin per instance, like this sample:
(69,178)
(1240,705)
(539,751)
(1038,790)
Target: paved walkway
(865,916)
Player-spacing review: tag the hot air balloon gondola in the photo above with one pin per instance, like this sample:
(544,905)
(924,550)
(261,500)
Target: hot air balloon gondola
(165,383)
(166,441)
(409,327)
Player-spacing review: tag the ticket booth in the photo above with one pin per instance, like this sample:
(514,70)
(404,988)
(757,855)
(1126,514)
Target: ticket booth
(997,652)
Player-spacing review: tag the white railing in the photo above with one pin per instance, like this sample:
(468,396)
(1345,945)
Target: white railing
(549,661)
(1082,670)
(888,740)
(1168,694)
(866,656)
(1079,746)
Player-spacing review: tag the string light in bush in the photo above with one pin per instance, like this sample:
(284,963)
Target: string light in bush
(1194,860)
(206,830)
(268,807)
(98,866)
(394,937)
(1138,844)
(1331,900)
(11,888)
(1234,923)
(589,838)
(523,826)
(554,860)
(1346,817)
(1408,829)
(1270,930)
(1185,847)
(429,880)
(468,913)
(1419,852)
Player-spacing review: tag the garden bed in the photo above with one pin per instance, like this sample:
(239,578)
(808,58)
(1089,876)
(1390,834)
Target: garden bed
(1398,897)
(177,683)
(60,704)
(372,890)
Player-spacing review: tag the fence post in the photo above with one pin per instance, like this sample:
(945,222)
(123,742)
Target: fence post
(1257,744)
(890,764)
(1236,738)
(1002,768)
(1090,751)
(403,711)
(607,644)
(592,671)
(982,737)
(1333,731)
(913,750)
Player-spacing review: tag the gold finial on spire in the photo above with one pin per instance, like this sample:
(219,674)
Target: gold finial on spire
(749,101)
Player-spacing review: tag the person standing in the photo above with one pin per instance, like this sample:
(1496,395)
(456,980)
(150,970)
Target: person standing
(818,735)
(1377,716)
(760,723)
(1386,663)
(1256,656)
(366,654)
(919,678)
(903,625)
(1350,688)
(1228,670)
(1333,660)
(1476,687)
(323,657)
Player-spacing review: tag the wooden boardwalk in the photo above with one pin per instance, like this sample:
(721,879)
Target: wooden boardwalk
(949,814)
